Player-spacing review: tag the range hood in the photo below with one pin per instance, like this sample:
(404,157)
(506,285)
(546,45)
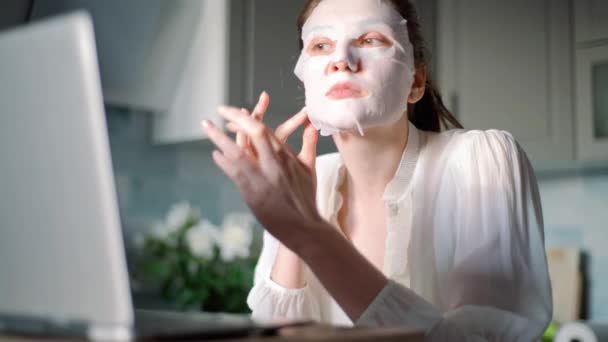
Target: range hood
(169,58)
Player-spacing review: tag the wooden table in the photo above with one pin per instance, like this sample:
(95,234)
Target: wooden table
(302,334)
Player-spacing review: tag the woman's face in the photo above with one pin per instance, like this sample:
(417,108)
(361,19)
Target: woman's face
(357,65)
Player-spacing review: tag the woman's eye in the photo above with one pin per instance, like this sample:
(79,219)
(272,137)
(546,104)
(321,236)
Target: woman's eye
(320,47)
(373,41)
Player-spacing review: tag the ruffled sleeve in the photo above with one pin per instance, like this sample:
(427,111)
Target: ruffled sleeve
(480,256)
(270,301)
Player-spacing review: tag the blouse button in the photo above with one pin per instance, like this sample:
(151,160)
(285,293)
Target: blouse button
(393,209)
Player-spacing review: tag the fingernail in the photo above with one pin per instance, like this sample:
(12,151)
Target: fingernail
(206,123)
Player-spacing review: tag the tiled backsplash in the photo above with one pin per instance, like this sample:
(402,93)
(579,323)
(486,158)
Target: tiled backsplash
(150,178)
(576,214)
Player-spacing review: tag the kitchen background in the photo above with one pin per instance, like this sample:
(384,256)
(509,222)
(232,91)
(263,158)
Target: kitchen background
(538,69)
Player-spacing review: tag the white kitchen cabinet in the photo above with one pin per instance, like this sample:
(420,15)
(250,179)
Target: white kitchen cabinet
(272,56)
(591,31)
(145,74)
(507,65)
(166,58)
(203,83)
(592,103)
(591,20)
(141,46)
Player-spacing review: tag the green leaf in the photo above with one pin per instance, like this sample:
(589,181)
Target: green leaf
(185,298)
(158,268)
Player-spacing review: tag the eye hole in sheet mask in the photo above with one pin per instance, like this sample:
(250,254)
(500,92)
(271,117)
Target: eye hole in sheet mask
(373,40)
(323,46)
(357,65)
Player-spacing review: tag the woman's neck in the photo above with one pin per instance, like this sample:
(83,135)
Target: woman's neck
(372,160)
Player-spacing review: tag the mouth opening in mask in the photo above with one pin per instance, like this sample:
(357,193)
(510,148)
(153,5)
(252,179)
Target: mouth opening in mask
(345,90)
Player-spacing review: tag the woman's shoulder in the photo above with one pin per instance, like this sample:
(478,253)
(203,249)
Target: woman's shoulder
(459,137)
(468,154)
(479,143)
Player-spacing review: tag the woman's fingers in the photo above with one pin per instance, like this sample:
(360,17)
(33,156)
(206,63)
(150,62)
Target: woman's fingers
(288,127)
(232,160)
(261,107)
(224,164)
(257,113)
(310,136)
(233,128)
(308,154)
(241,139)
(228,147)
(255,130)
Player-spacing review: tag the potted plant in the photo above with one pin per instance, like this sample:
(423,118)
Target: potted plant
(197,265)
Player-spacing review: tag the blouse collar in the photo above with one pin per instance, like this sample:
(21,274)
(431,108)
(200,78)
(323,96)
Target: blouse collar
(397,187)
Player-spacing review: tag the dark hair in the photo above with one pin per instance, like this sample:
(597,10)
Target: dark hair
(428,114)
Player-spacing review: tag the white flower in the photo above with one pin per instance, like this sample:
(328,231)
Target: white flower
(179,215)
(236,236)
(202,238)
(239,219)
(159,230)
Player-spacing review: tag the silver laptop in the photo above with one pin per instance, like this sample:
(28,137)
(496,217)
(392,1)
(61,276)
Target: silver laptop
(62,260)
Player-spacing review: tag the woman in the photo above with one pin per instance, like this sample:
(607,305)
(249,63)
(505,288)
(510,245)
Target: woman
(408,226)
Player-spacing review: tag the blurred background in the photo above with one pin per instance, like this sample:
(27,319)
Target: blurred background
(538,69)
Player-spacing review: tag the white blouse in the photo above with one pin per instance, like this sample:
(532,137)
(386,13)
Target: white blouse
(464,251)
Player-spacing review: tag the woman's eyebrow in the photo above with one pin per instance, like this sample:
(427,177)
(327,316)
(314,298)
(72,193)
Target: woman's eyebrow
(321,29)
(373,22)
(360,26)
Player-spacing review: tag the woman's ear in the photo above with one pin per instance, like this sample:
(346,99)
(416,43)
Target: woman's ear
(419,85)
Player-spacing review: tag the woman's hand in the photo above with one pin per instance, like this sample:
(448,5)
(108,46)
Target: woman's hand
(277,185)
(279,188)
(257,114)
(308,153)
(288,267)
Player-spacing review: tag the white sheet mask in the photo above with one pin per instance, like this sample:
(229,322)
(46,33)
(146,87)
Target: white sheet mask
(384,74)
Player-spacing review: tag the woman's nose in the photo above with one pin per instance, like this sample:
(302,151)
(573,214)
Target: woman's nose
(343,66)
